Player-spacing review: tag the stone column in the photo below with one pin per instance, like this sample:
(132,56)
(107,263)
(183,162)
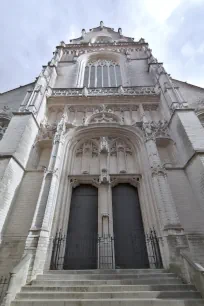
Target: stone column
(38,240)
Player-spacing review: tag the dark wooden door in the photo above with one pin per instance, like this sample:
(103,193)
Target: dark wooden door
(129,237)
(81,241)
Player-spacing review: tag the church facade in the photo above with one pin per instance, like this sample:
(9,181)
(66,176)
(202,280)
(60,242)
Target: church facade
(100,156)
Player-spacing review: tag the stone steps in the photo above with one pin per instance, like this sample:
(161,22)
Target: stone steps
(143,281)
(106,271)
(82,277)
(110,302)
(108,288)
(109,295)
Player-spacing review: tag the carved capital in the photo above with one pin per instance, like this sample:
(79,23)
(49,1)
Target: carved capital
(158,171)
(177,105)
(153,130)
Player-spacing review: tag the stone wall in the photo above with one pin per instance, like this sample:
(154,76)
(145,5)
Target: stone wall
(14,98)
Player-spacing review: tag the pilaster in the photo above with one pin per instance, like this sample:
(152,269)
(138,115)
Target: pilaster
(173,233)
(38,240)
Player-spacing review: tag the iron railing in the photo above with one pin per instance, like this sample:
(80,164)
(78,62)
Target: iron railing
(101,247)
(106,252)
(153,250)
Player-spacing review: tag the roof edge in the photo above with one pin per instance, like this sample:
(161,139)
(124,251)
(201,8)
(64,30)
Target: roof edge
(1,93)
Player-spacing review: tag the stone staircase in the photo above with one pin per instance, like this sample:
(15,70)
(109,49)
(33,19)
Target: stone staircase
(108,288)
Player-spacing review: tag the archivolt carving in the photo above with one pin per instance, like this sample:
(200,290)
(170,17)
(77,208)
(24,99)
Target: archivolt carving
(104,115)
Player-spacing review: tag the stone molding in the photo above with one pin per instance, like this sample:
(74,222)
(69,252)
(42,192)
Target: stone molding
(107,91)
(133,179)
(93,47)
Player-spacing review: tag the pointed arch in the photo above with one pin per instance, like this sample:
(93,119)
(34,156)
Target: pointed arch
(102,69)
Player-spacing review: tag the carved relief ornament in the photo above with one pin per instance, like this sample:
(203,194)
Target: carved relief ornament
(153,129)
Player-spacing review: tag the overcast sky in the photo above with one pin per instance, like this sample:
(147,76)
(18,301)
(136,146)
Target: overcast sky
(30,30)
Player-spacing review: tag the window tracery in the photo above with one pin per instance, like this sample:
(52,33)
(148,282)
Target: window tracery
(102,73)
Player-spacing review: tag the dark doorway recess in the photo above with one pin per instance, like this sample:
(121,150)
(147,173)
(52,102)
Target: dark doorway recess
(129,237)
(81,241)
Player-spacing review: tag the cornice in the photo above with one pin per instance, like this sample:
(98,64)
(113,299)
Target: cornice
(107,91)
(99,45)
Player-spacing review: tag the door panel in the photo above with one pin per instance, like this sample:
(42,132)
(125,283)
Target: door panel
(129,237)
(81,242)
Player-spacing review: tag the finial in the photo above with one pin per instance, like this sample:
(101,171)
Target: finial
(62,43)
(83,32)
(101,24)
(120,31)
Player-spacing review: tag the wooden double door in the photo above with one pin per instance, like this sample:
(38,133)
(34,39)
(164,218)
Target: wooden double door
(82,236)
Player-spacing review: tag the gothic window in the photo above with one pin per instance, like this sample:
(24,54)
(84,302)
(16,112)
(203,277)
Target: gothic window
(102,73)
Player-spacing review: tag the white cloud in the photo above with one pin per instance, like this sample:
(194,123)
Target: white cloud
(160,10)
(188,49)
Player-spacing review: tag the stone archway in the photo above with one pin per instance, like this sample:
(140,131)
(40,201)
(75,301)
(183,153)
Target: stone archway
(102,177)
